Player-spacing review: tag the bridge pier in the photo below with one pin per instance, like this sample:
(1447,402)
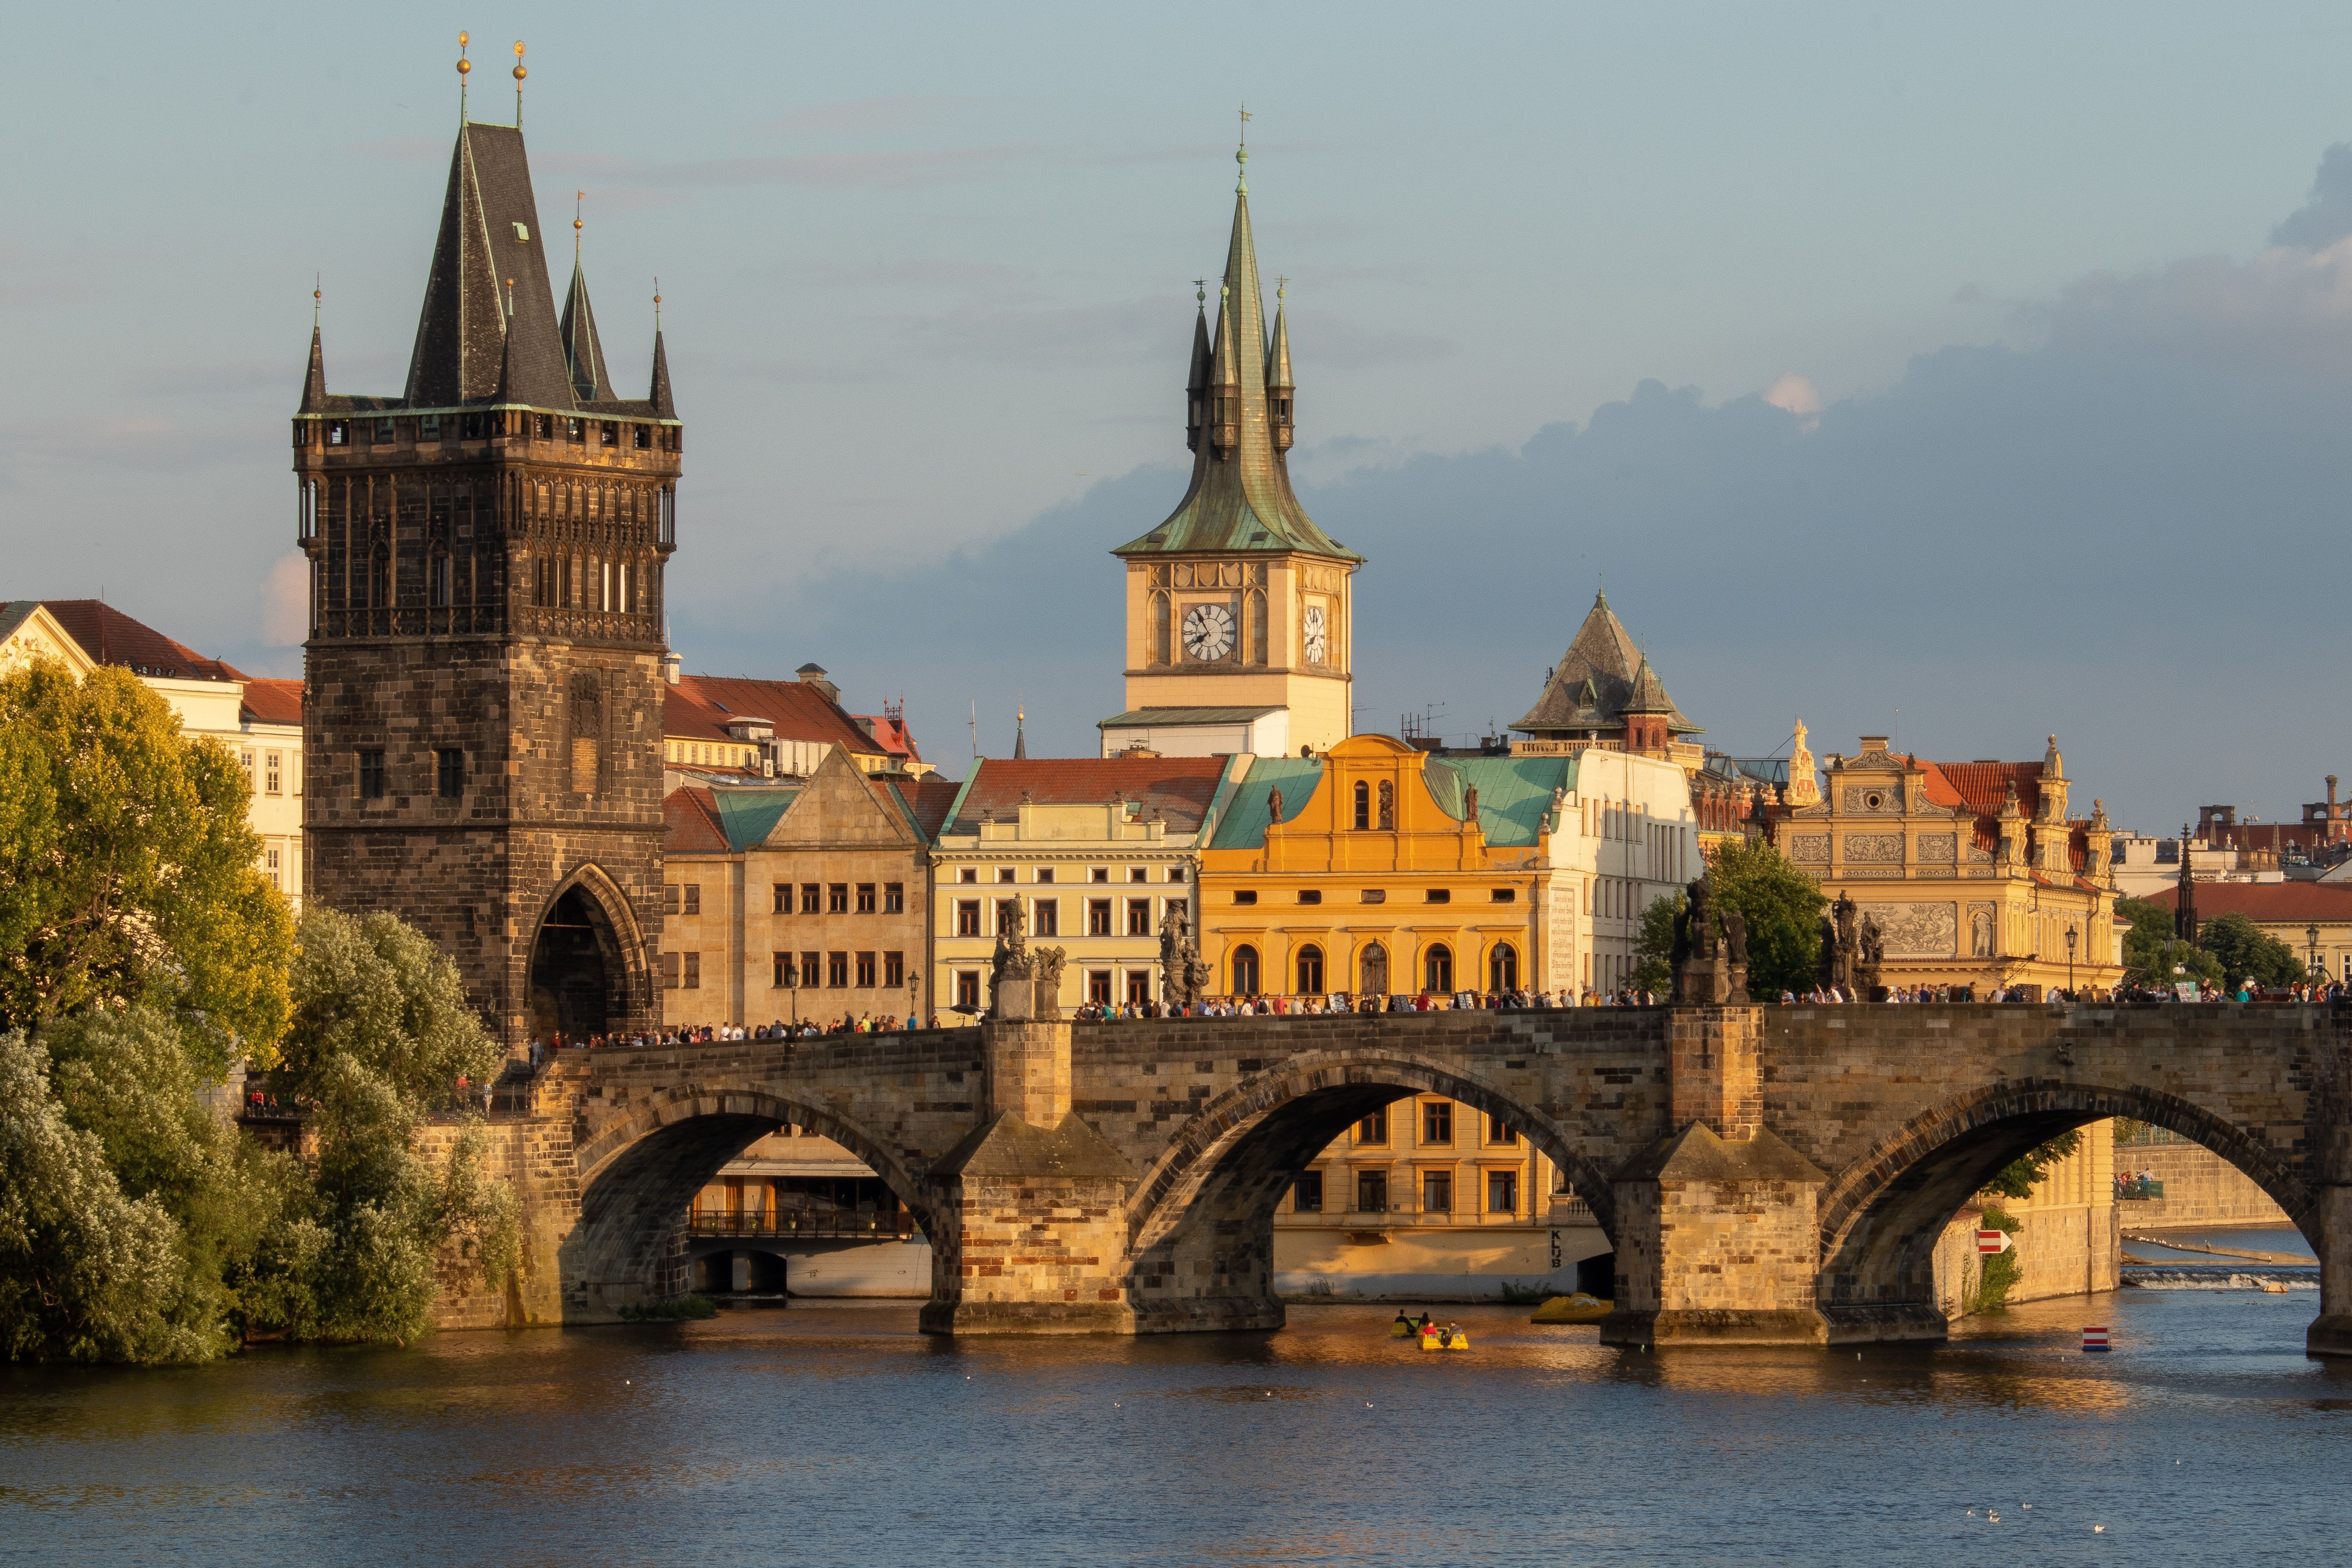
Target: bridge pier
(2331,1333)
(1036,1200)
(1718,1223)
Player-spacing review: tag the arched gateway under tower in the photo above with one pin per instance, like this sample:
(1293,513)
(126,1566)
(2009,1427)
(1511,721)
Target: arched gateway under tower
(482,713)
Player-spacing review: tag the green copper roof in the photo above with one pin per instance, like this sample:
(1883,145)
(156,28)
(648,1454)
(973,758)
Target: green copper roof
(1240,498)
(749,815)
(1246,815)
(1514,793)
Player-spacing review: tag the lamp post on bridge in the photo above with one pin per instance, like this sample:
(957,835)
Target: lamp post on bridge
(2310,936)
(914,1000)
(2071,934)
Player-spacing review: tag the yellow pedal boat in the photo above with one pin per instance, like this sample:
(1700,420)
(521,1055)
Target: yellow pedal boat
(1445,1340)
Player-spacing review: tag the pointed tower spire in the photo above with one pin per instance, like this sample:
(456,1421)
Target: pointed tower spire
(314,383)
(1278,388)
(664,407)
(488,234)
(1020,736)
(1196,383)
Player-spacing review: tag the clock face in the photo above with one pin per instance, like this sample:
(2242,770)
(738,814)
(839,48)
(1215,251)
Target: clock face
(1209,632)
(1318,642)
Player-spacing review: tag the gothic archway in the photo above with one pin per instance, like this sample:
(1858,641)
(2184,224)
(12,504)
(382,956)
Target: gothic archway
(585,960)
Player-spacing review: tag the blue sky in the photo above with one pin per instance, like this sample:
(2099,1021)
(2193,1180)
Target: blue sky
(2056,402)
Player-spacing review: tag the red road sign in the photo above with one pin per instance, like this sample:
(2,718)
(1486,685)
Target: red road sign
(2094,1340)
(1993,1241)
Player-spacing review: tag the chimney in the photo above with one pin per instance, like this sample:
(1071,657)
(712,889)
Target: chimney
(815,675)
(1873,743)
(673,667)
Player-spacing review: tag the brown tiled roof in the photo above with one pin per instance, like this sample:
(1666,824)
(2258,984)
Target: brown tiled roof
(110,637)
(928,797)
(699,707)
(891,735)
(1180,788)
(1982,786)
(691,824)
(2272,901)
(268,701)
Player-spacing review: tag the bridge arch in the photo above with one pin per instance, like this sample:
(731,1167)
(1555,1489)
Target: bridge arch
(1227,1167)
(638,1176)
(1881,1216)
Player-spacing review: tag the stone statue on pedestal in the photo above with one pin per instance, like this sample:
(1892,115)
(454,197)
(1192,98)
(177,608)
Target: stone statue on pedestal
(1702,975)
(1183,976)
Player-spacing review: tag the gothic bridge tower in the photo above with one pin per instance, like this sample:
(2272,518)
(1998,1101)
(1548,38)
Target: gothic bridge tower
(483,687)
(1240,615)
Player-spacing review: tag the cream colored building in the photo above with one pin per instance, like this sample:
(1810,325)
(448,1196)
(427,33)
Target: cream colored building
(1094,851)
(259,719)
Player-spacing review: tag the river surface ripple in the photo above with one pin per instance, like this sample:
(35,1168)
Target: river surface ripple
(838,1435)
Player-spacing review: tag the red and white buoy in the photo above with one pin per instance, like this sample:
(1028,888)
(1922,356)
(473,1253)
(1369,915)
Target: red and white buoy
(2094,1340)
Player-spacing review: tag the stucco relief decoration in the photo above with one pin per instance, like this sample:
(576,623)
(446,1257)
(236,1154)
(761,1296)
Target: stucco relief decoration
(1813,847)
(1873,849)
(1920,931)
(1980,855)
(1940,847)
(1880,797)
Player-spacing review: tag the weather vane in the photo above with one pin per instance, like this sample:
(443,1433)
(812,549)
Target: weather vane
(1200,290)
(1246,120)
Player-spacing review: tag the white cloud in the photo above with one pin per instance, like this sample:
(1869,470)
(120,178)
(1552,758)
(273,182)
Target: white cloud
(285,601)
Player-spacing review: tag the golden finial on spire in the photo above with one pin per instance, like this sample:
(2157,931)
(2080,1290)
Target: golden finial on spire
(463,65)
(510,299)
(318,294)
(1281,289)
(656,306)
(1201,291)
(520,74)
(1241,155)
(577,198)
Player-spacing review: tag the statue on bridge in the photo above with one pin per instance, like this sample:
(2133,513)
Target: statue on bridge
(1873,954)
(1021,983)
(1183,976)
(1701,975)
(1842,959)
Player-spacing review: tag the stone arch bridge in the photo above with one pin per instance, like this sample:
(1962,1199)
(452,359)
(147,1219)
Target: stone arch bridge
(1767,1175)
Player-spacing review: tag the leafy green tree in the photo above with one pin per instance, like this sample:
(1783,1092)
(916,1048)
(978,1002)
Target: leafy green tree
(86,1272)
(1654,948)
(1782,907)
(377,993)
(2246,952)
(2017,1179)
(128,872)
(2152,953)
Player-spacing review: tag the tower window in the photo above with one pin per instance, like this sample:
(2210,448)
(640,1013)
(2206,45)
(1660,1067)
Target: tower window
(543,427)
(428,428)
(609,435)
(449,772)
(1388,805)
(1363,804)
(372,775)
(576,431)
(439,575)
(338,433)
(641,437)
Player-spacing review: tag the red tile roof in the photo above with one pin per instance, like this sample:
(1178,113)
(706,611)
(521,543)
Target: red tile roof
(1982,786)
(891,735)
(690,822)
(110,637)
(928,797)
(271,701)
(699,707)
(1180,788)
(2267,902)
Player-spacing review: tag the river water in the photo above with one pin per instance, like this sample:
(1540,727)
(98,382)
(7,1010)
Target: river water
(838,1435)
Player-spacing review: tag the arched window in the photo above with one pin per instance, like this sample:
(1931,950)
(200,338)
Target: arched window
(1158,653)
(1376,971)
(1437,969)
(1257,611)
(1310,971)
(379,593)
(1364,804)
(1388,805)
(1503,968)
(437,577)
(1244,971)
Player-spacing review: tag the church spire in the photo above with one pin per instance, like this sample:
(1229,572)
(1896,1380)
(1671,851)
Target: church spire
(314,383)
(488,234)
(1240,497)
(1196,385)
(1278,388)
(584,353)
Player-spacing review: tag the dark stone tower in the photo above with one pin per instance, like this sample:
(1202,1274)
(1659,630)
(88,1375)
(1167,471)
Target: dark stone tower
(483,701)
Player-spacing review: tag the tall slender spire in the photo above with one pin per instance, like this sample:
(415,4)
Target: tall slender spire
(1240,497)
(665,407)
(1278,389)
(314,382)
(1196,383)
(488,234)
(583,351)
(1020,736)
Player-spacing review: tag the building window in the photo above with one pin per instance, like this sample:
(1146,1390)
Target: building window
(1047,918)
(811,971)
(1138,916)
(784,900)
(894,898)
(1004,873)
(866,972)
(1503,968)
(693,972)
(1375,895)
(1175,874)
(1437,1192)
(1098,921)
(1388,804)
(272,859)
(1363,805)
(1307,1193)
(1439,896)
(1244,971)
(1139,986)
(809,891)
(669,972)
(967,917)
(1372,1192)
(969,874)
(449,772)
(1098,987)
(244,761)
(1500,1131)
(1310,895)
(866,901)
(837,898)
(1139,874)
(1310,970)
(1437,1121)
(1246,895)
(1502,1191)
(894,970)
(371,776)
(1437,970)
(693,898)
(967,990)
(786,971)
(669,897)
(1506,895)
(1045,873)
(1373,1129)
(272,772)
(836,971)
(438,574)
(1099,874)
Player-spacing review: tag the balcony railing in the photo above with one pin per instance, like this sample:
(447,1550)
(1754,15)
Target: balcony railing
(765,1225)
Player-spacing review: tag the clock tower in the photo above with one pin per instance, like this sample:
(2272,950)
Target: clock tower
(1239,626)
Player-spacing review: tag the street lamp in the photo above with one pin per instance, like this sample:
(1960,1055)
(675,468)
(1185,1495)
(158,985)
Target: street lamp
(2311,935)
(2071,934)
(914,1001)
